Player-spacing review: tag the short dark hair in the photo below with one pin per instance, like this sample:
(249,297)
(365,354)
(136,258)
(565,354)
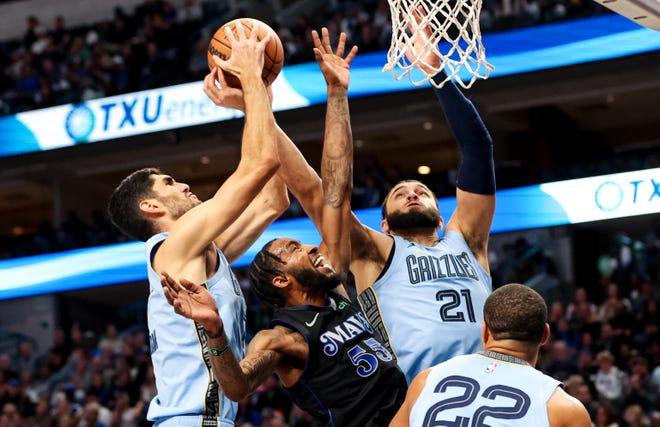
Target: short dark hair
(383,208)
(123,207)
(516,312)
(262,271)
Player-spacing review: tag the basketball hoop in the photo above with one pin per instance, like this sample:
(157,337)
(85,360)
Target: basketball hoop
(456,40)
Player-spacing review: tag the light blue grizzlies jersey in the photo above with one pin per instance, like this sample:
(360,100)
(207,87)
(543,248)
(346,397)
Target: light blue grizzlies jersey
(484,389)
(428,302)
(187,393)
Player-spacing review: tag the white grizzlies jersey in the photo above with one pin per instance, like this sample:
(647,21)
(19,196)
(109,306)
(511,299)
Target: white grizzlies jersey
(188,394)
(484,389)
(428,302)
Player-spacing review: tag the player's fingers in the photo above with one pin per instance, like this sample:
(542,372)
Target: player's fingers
(230,34)
(211,90)
(325,40)
(341,45)
(317,54)
(187,284)
(264,41)
(240,31)
(256,29)
(223,83)
(168,296)
(168,285)
(351,55)
(316,39)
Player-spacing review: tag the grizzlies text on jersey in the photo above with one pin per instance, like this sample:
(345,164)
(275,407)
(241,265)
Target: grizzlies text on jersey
(428,302)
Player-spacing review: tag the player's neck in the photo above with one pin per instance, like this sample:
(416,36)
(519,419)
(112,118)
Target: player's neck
(302,297)
(513,348)
(424,237)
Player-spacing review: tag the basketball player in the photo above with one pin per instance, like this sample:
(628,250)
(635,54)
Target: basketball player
(186,236)
(425,293)
(320,345)
(498,386)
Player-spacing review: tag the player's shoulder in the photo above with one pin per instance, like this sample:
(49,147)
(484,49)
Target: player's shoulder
(565,410)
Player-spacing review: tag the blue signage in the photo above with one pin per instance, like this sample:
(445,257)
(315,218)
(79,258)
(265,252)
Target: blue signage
(552,204)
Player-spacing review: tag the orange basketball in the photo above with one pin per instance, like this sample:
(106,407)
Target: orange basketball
(273,55)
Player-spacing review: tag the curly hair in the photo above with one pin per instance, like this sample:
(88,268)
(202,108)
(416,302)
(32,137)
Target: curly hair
(262,271)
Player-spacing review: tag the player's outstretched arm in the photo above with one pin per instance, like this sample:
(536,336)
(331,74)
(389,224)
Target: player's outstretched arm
(337,158)
(192,233)
(270,203)
(300,178)
(475,193)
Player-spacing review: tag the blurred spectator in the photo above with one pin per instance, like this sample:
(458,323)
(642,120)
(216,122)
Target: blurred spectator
(561,364)
(26,360)
(609,380)
(633,416)
(641,390)
(605,416)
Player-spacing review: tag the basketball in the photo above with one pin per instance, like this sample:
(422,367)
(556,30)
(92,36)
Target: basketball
(273,55)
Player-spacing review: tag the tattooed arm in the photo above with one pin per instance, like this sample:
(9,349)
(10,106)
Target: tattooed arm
(337,159)
(279,350)
(266,352)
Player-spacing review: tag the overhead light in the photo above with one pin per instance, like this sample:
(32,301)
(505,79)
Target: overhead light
(423,170)
(427,125)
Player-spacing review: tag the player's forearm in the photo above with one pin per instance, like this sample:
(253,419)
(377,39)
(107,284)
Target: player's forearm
(301,179)
(337,160)
(477,171)
(259,134)
(226,368)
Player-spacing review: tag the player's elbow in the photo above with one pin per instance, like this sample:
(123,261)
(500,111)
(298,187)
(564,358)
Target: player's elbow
(236,394)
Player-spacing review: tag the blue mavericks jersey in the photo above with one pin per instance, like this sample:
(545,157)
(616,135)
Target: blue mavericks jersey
(188,394)
(482,389)
(428,302)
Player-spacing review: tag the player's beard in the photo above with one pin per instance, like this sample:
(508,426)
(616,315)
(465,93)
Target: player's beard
(416,218)
(177,207)
(311,279)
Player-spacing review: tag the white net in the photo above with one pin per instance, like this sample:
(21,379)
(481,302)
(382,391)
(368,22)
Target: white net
(455,37)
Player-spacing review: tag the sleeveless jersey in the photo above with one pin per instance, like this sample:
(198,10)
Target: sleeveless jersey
(482,389)
(187,392)
(349,378)
(428,302)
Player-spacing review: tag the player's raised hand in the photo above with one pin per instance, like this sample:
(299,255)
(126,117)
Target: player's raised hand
(422,46)
(335,68)
(226,95)
(190,300)
(247,53)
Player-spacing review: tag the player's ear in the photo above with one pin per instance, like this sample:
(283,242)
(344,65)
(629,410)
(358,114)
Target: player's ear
(485,334)
(384,226)
(151,206)
(546,334)
(280,281)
